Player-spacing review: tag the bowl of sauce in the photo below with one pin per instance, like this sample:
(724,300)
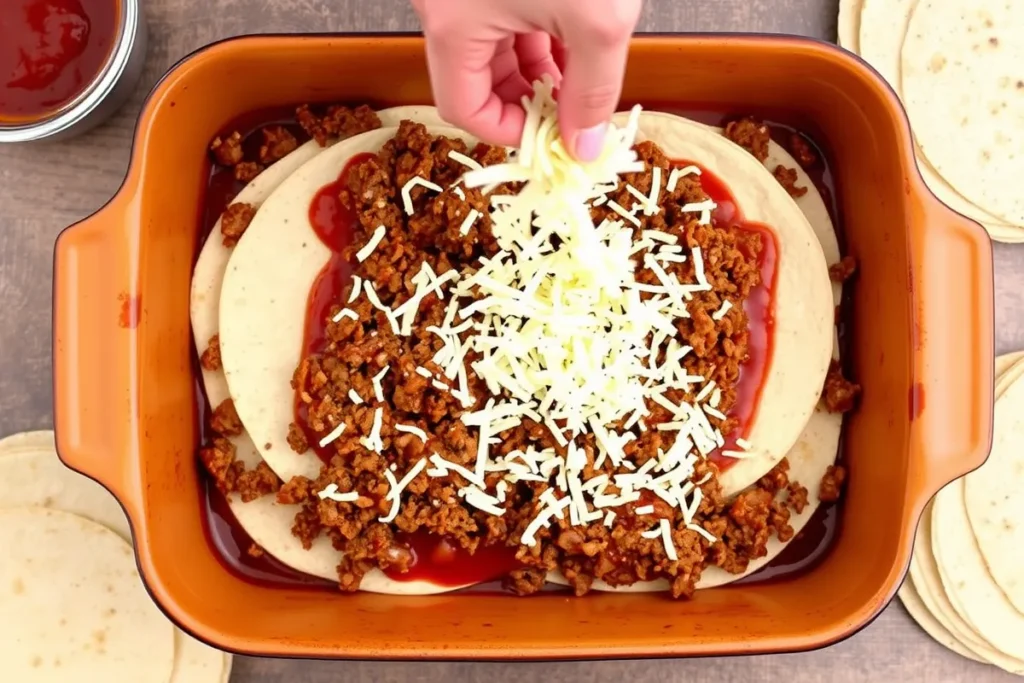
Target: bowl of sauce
(65,65)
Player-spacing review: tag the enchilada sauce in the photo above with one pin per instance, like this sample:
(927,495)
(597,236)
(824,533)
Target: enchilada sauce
(50,53)
(435,559)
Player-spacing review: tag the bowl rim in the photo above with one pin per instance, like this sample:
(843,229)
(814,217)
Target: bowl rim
(103,84)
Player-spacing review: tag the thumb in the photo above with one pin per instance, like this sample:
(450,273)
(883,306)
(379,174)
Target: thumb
(595,64)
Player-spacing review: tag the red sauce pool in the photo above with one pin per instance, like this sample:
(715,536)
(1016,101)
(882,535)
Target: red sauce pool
(438,560)
(50,52)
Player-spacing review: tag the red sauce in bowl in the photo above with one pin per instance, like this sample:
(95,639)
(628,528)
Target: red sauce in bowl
(51,51)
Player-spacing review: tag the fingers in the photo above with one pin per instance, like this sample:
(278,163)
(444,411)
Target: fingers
(596,49)
(509,82)
(535,57)
(463,78)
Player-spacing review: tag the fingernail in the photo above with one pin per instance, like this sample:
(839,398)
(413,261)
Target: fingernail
(590,142)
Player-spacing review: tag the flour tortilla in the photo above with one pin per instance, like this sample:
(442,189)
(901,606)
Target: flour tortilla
(924,572)
(927,583)
(748,470)
(261,326)
(264,520)
(965,578)
(883,28)
(195,661)
(32,475)
(849,23)
(883,25)
(42,438)
(72,605)
(928,623)
(961,64)
(994,498)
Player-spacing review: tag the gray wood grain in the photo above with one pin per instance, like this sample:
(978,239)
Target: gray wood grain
(44,188)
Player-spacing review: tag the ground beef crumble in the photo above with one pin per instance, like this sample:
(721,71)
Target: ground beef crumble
(750,134)
(278,142)
(840,394)
(227,151)
(336,121)
(802,151)
(787,177)
(844,270)
(235,221)
(832,484)
(210,360)
(246,171)
(356,350)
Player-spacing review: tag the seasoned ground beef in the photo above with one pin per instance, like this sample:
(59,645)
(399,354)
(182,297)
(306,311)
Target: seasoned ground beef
(225,420)
(210,360)
(246,171)
(234,222)
(832,484)
(227,151)
(337,121)
(787,178)
(802,151)
(840,394)
(278,142)
(844,270)
(750,134)
(255,550)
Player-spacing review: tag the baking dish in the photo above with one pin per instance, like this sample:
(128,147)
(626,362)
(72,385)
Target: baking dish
(921,344)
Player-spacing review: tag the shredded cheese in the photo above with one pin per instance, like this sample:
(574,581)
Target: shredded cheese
(407,189)
(468,221)
(357,285)
(331,492)
(373,441)
(464,160)
(345,313)
(412,429)
(395,492)
(371,244)
(378,389)
(333,434)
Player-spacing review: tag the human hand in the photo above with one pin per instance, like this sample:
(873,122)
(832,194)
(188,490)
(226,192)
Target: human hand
(484,55)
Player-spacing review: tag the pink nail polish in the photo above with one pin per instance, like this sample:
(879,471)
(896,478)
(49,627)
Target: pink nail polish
(590,142)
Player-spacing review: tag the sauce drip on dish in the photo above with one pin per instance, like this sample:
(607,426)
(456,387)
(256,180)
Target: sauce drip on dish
(50,52)
(437,560)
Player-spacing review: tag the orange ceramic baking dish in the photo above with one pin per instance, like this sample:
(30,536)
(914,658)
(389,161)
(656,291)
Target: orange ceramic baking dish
(922,346)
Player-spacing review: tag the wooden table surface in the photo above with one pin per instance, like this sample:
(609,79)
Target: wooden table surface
(44,188)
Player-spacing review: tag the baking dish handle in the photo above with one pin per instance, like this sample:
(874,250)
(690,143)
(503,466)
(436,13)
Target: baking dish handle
(95,316)
(951,397)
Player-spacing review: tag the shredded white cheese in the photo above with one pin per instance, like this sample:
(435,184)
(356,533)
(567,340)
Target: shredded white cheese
(395,493)
(378,389)
(408,188)
(412,429)
(331,492)
(464,160)
(720,313)
(468,221)
(333,434)
(373,441)
(345,313)
(371,244)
